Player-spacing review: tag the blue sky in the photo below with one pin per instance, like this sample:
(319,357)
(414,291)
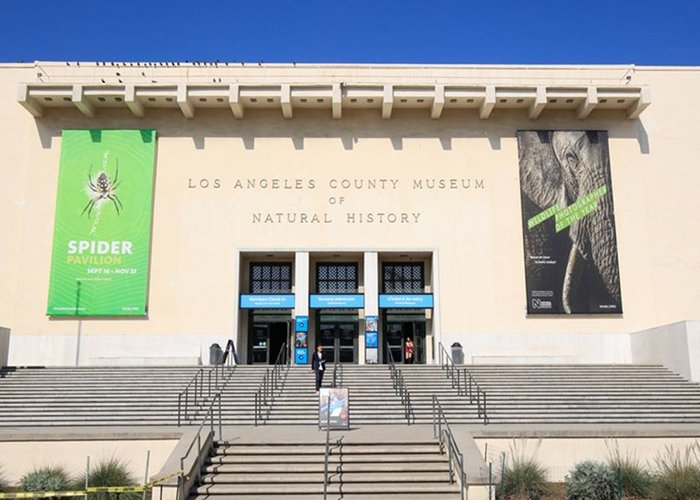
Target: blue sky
(661,32)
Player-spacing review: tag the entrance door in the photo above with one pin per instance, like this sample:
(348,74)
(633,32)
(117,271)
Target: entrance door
(399,327)
(339,340)
(268,337)
(279,337)
(393,336)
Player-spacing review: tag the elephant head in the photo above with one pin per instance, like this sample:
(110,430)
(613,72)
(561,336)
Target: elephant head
(565,167)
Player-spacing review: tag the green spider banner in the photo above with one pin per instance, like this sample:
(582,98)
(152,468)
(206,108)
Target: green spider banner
(102,231)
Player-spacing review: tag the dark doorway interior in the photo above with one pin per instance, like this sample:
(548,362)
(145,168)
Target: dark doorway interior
(398,326)
(278,337)
(268,333)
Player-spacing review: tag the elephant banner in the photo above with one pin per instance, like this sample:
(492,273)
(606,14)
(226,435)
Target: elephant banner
(571,264)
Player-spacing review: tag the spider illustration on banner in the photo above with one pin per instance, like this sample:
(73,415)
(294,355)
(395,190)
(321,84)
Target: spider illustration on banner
(105,189)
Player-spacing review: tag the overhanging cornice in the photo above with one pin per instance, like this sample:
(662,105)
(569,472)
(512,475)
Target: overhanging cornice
(94,95)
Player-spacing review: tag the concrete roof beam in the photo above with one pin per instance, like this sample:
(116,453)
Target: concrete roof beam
(234,101)
(388,101)
(29,103)
(438,102)
(185,102)
(78,98)
(640,105)
(539,103)
(286,100)
(337,101)
(132,101)
(488,103)
(589,104)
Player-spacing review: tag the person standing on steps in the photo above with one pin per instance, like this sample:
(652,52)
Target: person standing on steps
(408,351)
(318,364)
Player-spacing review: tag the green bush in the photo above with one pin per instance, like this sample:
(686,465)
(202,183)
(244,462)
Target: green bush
(524,476)
(3,483)
(109,472)
(45,479)
(636,480)
(591,480)
(677,474)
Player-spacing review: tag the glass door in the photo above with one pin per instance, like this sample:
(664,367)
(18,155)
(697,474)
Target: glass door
(327,340)
(338,336)
(261,335)
(347,333)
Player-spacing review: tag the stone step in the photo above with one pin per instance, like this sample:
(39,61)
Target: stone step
(347,449)
(382,461)
(282,490)
(348,478)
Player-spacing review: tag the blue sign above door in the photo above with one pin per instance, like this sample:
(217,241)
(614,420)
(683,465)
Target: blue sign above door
(341,301)
(412,301)
(264,301)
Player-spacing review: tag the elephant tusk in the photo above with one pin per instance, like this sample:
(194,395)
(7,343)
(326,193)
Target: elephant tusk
(574,268)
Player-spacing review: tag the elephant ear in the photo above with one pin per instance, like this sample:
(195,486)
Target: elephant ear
(540,174)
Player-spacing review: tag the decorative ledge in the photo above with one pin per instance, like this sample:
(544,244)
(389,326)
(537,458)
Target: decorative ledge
(92,99)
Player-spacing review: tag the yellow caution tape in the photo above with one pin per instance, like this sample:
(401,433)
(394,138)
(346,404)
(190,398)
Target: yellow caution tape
(42,494)
(91,489)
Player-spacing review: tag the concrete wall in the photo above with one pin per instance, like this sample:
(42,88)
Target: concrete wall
(476,233)
(18,458)
(676,346)
(559,455)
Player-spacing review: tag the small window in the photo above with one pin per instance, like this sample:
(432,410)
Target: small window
(336,278)
(267,277)
(403,278)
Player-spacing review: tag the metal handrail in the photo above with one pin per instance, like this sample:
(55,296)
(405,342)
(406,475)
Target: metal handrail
(272,382)
(186,393)
(400,387)
(443,433)
(464,382)
(337,373)
(218,372)
(467,386)
(209,415)
(328,449)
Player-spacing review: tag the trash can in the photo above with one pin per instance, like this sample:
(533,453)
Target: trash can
(457,353)
(216,354)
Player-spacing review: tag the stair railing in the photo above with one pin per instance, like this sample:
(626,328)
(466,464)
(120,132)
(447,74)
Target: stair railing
(211,433)
(326,458)
(468,387)
(400,387)
(197,392)
(443,433)
(464,382)
(337,374)
(271,384)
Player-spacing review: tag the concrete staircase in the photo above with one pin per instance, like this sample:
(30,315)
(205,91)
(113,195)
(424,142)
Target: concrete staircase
(91,396)
(516,394)
(579,394)
(358,470)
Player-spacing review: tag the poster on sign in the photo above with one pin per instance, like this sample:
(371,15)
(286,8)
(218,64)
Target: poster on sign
(568,218)
(334,408)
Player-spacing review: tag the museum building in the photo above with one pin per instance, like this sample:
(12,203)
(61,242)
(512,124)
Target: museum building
(532,214)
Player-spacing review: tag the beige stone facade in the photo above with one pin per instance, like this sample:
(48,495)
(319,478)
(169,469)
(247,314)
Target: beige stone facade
(352,164)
